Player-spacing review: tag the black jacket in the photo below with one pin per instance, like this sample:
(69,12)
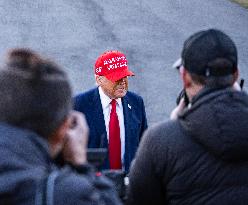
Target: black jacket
(201,158)
(25,164)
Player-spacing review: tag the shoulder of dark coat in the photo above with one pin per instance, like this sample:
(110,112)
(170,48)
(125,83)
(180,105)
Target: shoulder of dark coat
(133,96)
(163,133)
(85,95)
(83,100)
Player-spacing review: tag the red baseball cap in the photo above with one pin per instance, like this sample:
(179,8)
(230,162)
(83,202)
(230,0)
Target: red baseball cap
(112,65)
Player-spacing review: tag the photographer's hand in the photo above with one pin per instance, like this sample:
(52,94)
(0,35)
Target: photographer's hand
(236,86)
(76,140)
(177,110)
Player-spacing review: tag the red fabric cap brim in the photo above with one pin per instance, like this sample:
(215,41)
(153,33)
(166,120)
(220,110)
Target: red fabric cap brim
(117,75)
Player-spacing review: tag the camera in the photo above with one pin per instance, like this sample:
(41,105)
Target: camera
(96,157)
(181,95)
(241,84)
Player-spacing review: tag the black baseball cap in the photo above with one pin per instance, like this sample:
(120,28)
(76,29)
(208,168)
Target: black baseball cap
(209,53)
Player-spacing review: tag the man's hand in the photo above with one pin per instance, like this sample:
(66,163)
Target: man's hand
(236,86)
(76,139)
(177,110)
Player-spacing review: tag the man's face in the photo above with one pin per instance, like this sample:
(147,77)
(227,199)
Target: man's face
(113,90)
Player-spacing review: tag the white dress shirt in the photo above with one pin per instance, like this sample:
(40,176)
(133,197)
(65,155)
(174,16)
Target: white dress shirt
(106,107)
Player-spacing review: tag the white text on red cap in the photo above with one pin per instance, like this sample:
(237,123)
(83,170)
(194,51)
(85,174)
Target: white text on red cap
(113,63)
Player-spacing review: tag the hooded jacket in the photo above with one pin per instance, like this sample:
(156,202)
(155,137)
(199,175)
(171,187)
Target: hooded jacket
(201,158)
(25,165)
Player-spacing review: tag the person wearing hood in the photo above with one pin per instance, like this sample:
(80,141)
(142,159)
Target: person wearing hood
(36,125)
(200,156)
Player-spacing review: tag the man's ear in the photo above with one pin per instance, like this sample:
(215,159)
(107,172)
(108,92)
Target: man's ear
(98,79)
(187,80)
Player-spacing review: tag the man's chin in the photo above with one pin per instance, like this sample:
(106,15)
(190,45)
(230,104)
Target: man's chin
(121,94)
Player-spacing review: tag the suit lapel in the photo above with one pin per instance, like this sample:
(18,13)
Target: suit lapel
(127,112)
(128,123)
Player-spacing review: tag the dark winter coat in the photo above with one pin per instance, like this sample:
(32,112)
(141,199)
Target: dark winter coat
(25,164)
(201,158)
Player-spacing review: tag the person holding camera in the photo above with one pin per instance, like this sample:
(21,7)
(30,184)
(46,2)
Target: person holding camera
(201,155)
(36,125)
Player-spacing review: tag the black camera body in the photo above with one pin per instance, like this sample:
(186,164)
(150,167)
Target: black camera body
(181,95)
(96,157)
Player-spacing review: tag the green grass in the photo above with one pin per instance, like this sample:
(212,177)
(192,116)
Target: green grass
(243,3)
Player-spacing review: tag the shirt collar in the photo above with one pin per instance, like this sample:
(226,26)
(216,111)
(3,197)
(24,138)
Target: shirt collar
(105,99)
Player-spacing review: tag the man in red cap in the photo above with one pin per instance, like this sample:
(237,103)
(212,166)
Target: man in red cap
(116,117)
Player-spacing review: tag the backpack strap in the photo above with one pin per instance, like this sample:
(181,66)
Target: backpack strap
(45,190)
(50,187)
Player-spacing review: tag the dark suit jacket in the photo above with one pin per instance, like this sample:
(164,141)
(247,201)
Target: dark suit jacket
(135,122)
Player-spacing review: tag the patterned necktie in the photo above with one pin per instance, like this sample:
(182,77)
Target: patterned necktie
(114,139)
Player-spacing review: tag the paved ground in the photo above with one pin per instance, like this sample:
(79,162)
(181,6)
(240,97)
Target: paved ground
(151,34)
